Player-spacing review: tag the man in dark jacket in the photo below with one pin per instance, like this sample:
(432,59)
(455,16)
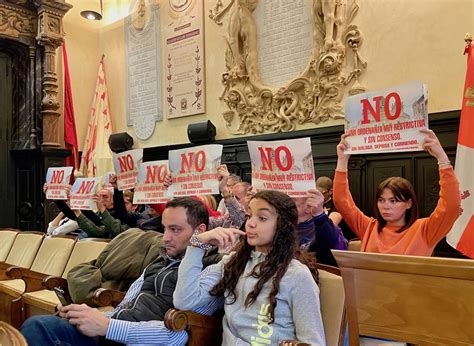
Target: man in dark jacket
(138,318)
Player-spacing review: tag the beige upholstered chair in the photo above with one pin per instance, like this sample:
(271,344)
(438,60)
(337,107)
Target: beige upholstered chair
(7,237)
(414,299)
(354,244)
(10,336)
(22,252)
(44,301)
(51,259)
(332,304)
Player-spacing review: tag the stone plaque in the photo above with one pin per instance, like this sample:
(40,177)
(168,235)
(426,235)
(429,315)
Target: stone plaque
(143,62)
(284,39)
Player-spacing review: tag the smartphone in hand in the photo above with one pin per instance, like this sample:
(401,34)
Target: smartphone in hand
(63,298)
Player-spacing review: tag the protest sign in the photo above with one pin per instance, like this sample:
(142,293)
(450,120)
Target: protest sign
(285,166)
(57,179)
(387,120)
(194,170)
(82,192)
(126,168)
(150,188)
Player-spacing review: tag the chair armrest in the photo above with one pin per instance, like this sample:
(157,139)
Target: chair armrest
(107,297)
(51,281)
(33,280)
(292,343)
(202,329)
(3,268)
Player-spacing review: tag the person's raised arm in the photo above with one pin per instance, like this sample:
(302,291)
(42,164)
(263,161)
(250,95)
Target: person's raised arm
(342,158)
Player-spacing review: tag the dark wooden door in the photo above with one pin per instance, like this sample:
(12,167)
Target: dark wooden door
(7,183)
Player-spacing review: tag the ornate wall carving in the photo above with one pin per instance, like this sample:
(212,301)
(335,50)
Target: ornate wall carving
(313,97)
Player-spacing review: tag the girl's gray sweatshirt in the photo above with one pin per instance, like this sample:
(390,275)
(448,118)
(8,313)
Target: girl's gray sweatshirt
(297,313)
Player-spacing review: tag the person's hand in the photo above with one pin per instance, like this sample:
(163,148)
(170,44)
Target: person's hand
(45,187)
(168,181)
(223,177)
(315,202)
(221,237)
(61,313)
(432,145)
(343,145)
(113,180)
(68,190)
(99,202)
(90,322)
(342,158)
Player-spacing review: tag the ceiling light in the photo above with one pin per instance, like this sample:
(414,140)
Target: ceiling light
(93,15)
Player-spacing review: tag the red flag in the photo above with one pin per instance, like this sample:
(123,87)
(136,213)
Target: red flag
(70,134)
(96,155)
(461,236)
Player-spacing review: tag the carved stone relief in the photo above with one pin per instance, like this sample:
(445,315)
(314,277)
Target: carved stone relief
(313,97)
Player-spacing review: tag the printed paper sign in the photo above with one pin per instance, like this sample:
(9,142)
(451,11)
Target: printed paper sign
(126,168)
(285,166)
(150,188)
(57,179)
(387,120)
(82,192)
(194,170)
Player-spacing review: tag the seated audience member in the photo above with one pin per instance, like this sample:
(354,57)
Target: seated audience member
(235,216)
(396,228)
(239,191)
(315,230)
(324,185)
(210,201)
(148,220)
(110,227)
(151,295)
(233,179)
(61,225)
(266,266)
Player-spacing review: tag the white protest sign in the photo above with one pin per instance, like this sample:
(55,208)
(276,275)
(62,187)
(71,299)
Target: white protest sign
(194,170)
(285,166)
(82,192)
(150,188)
(387,120)
(57,179)
(126,168)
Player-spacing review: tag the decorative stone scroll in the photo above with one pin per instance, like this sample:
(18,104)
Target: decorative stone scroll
(313,97)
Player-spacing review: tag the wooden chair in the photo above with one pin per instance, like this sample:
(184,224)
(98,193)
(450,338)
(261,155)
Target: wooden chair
(51,259)
(9,336)
(22,252)
(419,300)
(7,238)
(44,301)
(354,244)
(200,327)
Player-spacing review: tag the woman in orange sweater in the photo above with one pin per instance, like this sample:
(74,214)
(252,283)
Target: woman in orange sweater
(396,228)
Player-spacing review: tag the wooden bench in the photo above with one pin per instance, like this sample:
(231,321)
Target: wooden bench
(419,300)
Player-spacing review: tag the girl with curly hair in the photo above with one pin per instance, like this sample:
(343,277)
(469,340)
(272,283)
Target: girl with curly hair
(270,287)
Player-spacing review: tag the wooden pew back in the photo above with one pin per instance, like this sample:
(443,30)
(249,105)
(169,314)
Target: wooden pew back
(420,300)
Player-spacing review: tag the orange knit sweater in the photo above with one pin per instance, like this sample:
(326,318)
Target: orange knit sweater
(417,240)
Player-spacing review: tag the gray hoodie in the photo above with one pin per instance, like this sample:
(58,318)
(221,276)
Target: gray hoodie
(297,313)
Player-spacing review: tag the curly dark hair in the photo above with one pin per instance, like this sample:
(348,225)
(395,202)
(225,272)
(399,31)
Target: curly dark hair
(284,248)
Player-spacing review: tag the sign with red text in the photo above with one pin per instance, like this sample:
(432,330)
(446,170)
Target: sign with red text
(194,170)
(82,192)
(57,179)
(285,166)
(150,188)
(126,168)
(387,120)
